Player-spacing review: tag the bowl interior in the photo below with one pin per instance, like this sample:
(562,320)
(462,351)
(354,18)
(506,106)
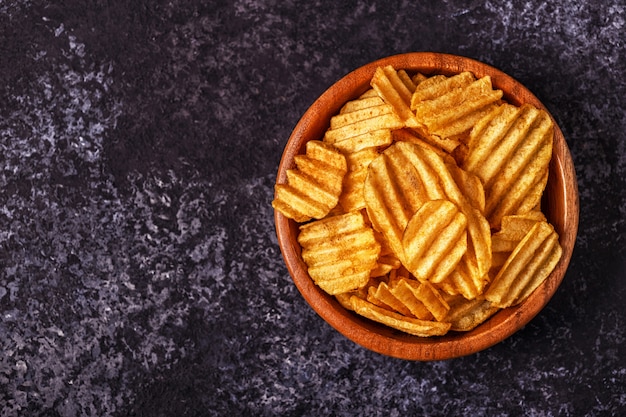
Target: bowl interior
(560,205)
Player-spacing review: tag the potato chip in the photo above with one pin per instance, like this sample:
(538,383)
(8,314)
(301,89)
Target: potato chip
(509,150)
(362,123)
(515,227)
(439,85)
(419,78)
(469,184)
(397,321)
(313,188)
(407,80)
(363,127)
(352,198)
(344,299)
(387,260)
(464,315)
(375,139)
(397,275)
(464,280)
(412,136)
(370,93)
(364,101)
(393,193)
(527,267)
(450,108)
(403,290)
(340,252)
(385,264)
(383,297)
(428,170)
(434,240)
(348,118)
(393,89)
(513,230)
(423,82)
(430,297)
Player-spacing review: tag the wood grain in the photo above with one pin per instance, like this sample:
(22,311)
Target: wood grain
(560,204)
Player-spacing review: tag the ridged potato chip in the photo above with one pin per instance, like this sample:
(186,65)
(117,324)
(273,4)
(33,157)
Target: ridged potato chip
(362,123)
(414,326)
(412,136)
(399,182)
(396,91)
(527,267)
(431,298)
(382,296)
(509,150)
(340,252)
(448,107)
(404,290)
(434,240)
(513,230)
(352,198)
(314,187)
(393,193)
(387,260)
(368,99)
(464,315)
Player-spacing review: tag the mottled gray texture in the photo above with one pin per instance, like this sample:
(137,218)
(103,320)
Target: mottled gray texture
(139,269)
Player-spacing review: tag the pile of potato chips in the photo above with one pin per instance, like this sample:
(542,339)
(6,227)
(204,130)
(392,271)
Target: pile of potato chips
(420,208)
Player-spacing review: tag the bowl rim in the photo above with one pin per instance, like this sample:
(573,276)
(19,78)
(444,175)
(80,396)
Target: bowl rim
(380,338)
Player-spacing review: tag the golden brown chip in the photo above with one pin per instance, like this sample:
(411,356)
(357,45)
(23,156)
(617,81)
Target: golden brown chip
(439,85)
(527,267)
(449,108)
(395,91)
(385,264)
(463,280)
(383,297)
(404,290)
(424,82)
(407,80)
(393,193)
(469,184)
(400,181)
(387,260)
(340,252)
(440,184)
(313,188)
(513,230)
(363,102)
(375,139)
(434,240)
(397,321)
(517,225)
(362,127)
(465,315)
(431,298)
(344,299)
(351,198)
(412,136)
(509,150)
(348,118)
(362,123)
(418,78)
(370,93)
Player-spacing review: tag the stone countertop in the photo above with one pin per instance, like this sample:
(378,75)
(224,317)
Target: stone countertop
(139,270)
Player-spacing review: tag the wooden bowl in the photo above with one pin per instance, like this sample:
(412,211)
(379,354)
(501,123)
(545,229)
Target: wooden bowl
(560,204)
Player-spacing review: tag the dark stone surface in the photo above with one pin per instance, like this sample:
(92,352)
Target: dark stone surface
(139,269)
